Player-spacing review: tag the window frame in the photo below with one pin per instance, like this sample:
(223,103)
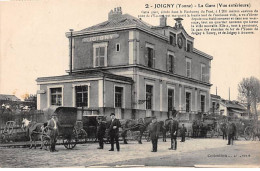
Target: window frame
(98,45)
(152,99)
(203,94)
(174,94)
(148,45)
(49,94)
(202,75)
(190,106)
(74,103)
(123,96)
(172,65)
(188,60)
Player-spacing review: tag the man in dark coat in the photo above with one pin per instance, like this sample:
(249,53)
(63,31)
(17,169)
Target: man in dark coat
(101,130)
(174,131)
(113,130)
(224,130)
(183,132)
(231,132)
(53,132)
(154,129)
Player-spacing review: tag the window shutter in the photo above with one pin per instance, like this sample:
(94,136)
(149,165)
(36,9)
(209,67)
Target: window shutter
(153,55)
(167,62)
(174,64)
(146,57)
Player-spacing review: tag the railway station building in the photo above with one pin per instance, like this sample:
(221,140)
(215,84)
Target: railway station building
(127,66)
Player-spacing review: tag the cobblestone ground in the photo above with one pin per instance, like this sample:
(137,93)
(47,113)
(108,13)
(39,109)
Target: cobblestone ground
(194,152)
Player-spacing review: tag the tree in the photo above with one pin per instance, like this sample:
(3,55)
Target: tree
(31,100)
(249,92)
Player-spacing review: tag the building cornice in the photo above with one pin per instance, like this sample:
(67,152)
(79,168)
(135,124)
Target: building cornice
(105,30)
(146,68)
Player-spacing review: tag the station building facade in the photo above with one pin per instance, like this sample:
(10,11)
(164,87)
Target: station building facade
(132,68)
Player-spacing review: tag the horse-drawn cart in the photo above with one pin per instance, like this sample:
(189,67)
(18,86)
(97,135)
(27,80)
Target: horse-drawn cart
(67,117)
(12,132)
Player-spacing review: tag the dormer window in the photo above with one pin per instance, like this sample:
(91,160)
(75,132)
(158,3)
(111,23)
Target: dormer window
(172,39)
(189,46)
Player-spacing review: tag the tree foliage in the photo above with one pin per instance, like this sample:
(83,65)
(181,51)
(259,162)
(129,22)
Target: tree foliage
(249,92)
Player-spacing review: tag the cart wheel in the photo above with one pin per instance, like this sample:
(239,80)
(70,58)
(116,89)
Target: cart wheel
(71,141)
(248,133)
(82,136)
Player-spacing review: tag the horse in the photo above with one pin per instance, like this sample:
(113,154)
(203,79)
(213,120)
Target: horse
(135,125)
(34,130)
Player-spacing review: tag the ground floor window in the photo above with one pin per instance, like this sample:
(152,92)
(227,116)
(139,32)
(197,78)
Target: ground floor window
(170,99)
(188,101)
(202,103)
(118,96)
(56,96)
(149,96)
(81,96)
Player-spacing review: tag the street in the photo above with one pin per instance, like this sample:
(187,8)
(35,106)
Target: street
(191,153)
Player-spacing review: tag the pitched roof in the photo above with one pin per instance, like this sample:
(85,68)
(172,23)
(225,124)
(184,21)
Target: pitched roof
(9,97)
(233,104)
(120,21)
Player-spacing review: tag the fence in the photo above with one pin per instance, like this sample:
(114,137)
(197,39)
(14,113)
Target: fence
(33,115)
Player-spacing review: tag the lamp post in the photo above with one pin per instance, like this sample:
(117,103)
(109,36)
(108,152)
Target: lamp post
(71,30)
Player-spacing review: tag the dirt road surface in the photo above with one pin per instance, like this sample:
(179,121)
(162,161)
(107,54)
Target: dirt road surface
(192,153)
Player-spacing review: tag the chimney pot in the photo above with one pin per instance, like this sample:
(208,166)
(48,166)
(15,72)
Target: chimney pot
(115,14)
(163,21)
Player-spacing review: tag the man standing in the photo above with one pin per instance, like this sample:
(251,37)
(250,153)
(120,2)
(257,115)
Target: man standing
(174,131)
(113,129)
(101,130)
(154,133)
(231,132)
(53,131)
(183,132)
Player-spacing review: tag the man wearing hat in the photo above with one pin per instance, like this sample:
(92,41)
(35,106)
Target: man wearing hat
(154,129)
(173,132)
(113,130)
(183,133)
(53,131)
(101,131)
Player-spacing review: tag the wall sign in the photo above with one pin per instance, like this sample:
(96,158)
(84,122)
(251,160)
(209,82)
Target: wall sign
(100,38)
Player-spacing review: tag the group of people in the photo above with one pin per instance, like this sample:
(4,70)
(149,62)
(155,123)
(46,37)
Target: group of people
(113,129)
(154,129)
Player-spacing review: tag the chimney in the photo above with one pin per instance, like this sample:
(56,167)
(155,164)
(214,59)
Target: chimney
(115,14)
(163,21)
(178,23)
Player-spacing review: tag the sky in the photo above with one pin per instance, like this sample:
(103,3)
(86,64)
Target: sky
(33,42)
